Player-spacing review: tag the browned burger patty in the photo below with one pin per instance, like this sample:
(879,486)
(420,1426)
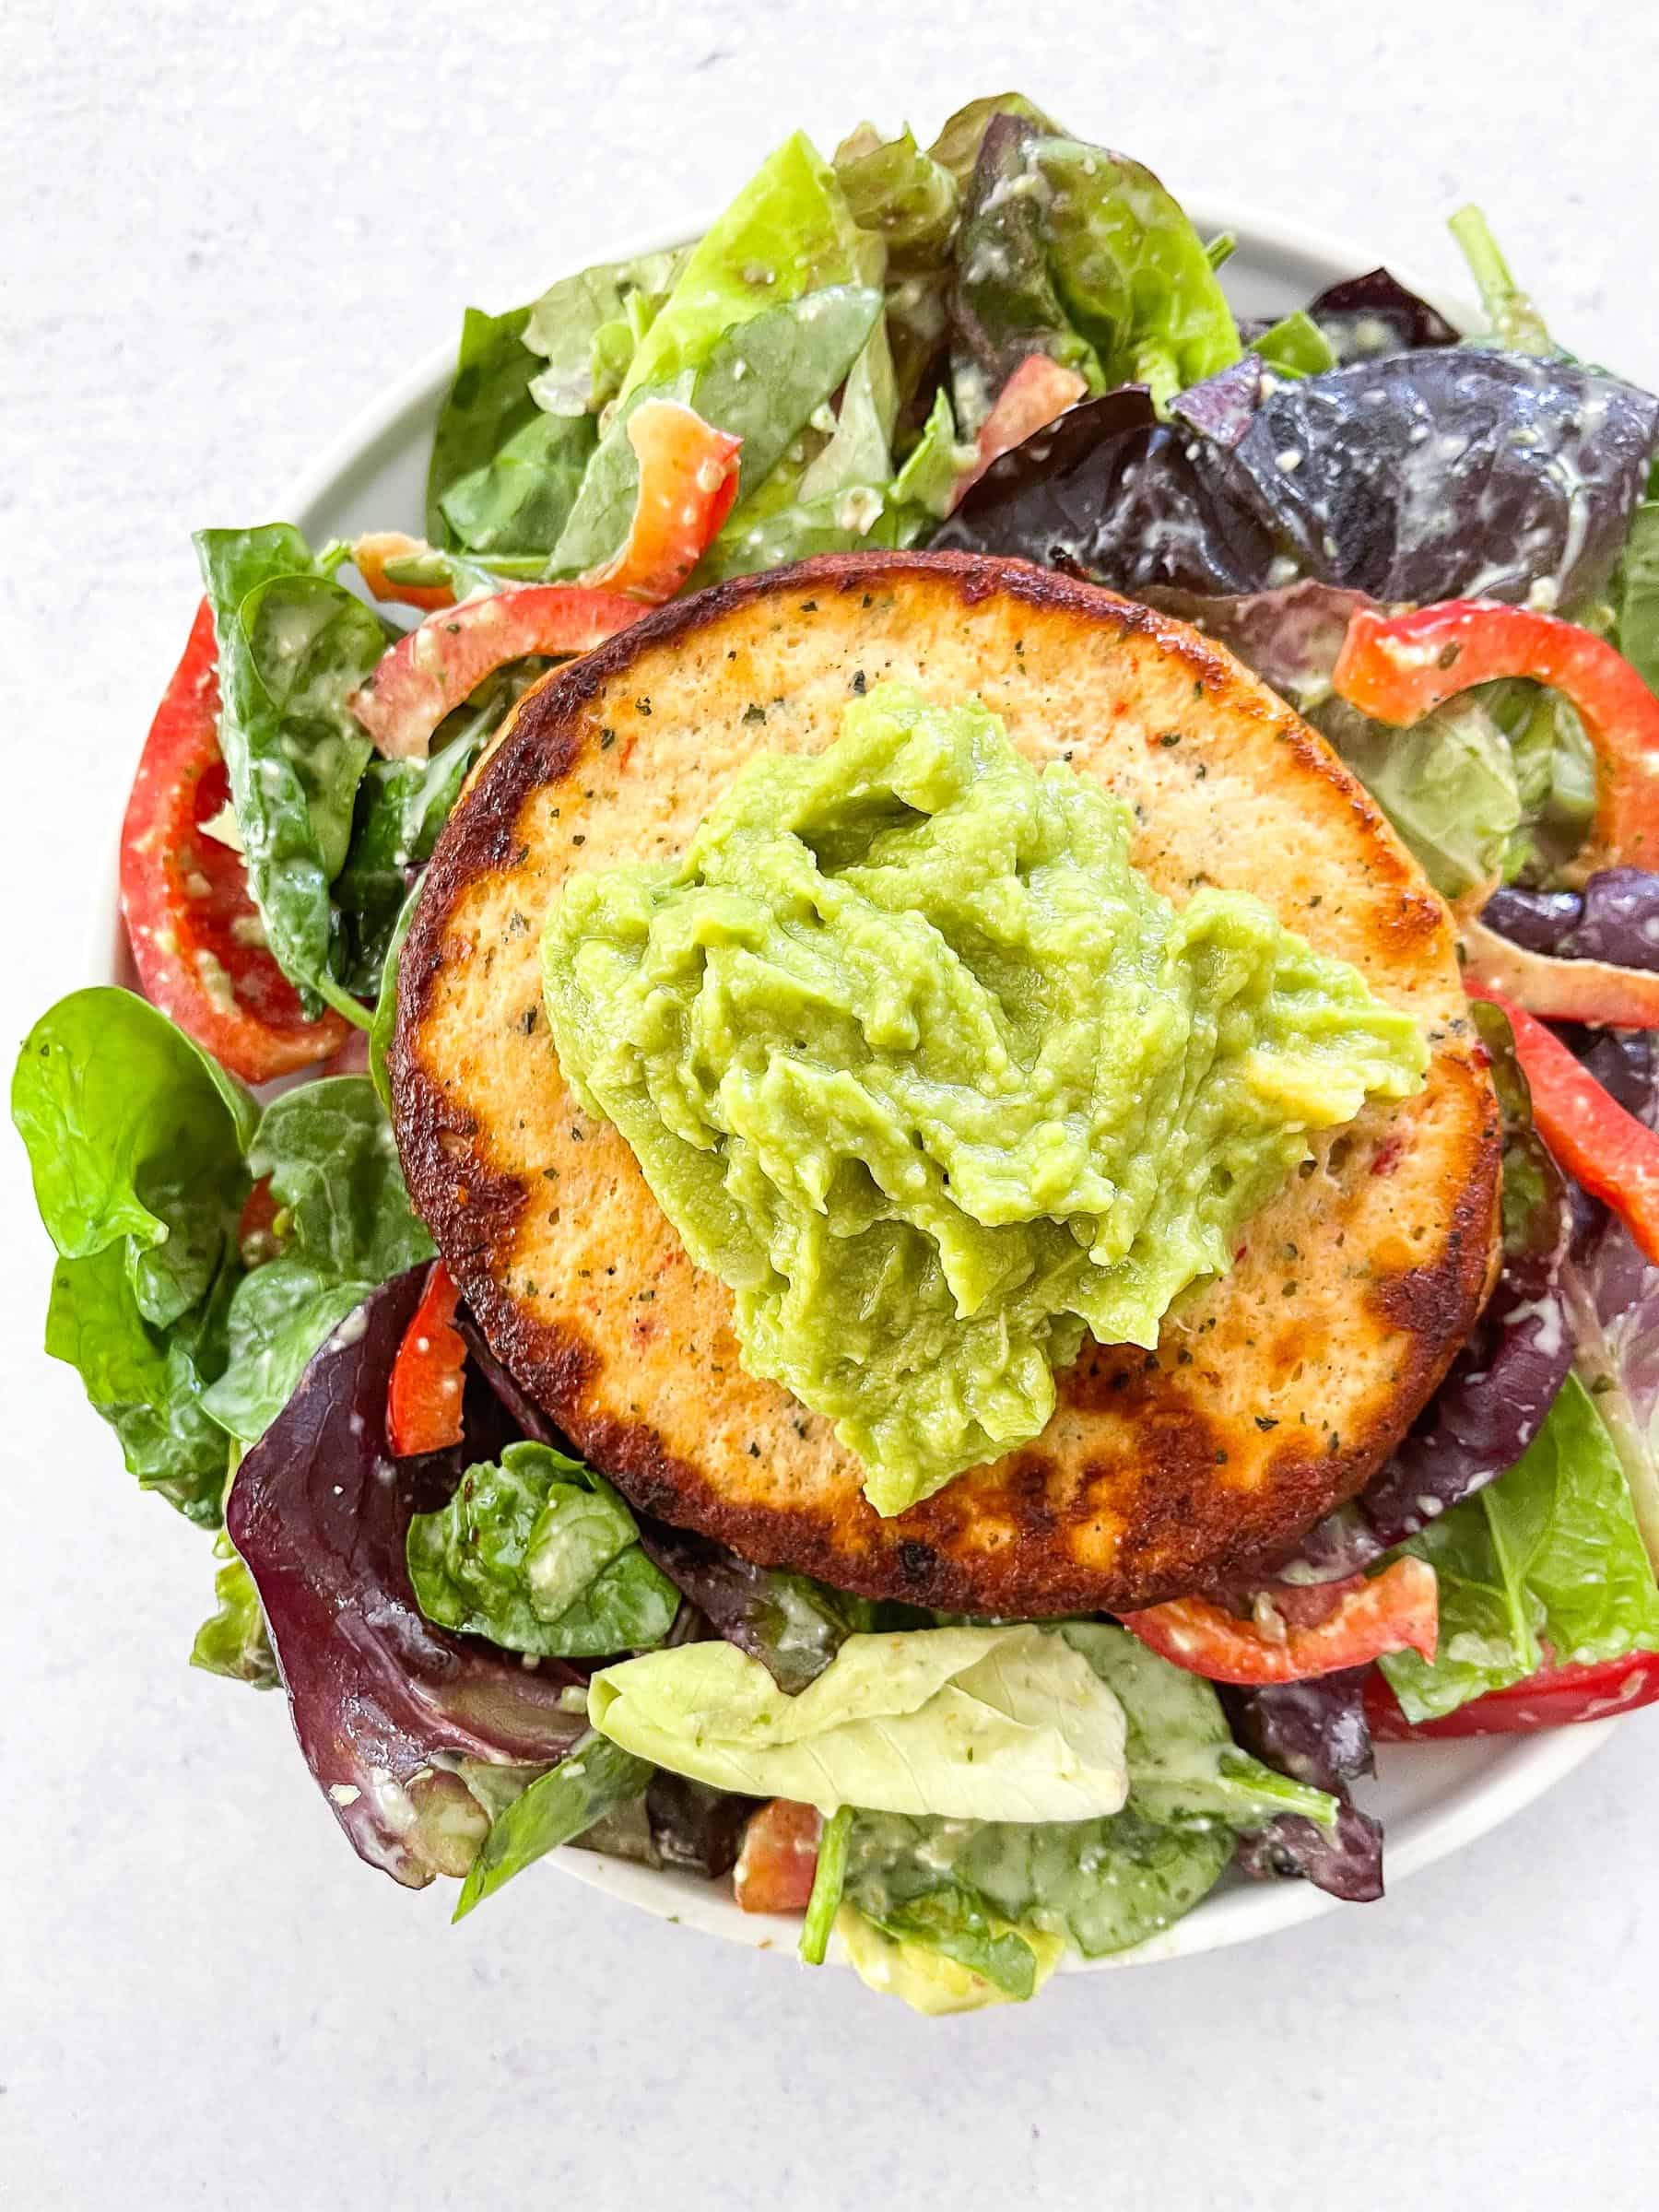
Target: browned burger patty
(1273,1394)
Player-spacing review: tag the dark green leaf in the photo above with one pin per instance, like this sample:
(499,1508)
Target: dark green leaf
(487,403)
(293,645)
(594,1779)
(539,1554)
(1546,1560)
(520,501)
(328,1150)
(280,1314)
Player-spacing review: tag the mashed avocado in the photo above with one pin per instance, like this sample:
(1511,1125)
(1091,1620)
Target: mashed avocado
(933,1079)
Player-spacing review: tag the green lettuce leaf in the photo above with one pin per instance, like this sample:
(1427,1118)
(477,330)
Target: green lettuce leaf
(346,1225)
(539,1554)
(957,148)
(586,327)
(1294,345)
(908,199)
(233,1639)
(594,1779)
(994,1723)
(930,1982)
(1447,784)
(1546,1563)
(788,232)
(135,1140)
(1636,589)
(293,645)
(760,381)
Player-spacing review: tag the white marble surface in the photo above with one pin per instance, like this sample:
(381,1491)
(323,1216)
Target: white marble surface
(224,229)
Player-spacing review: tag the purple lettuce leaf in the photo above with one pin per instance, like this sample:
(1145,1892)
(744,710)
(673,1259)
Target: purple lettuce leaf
(1448,473)
(1223,405)
(1614,917)
(1422,476)
(1113,493)
(386,1707)
(1315,1732)
(1364,317)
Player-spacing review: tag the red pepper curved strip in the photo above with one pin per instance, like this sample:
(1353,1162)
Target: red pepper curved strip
(1038,391)
(687,482)
(1612,1154)
(1397,1608)
(448,656)
(1397,669)
(1594,991)
(423,1399)
(371,554)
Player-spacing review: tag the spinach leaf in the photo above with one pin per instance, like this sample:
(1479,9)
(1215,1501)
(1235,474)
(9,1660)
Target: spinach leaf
(345,1216)
(539,1554)
(135,1140)
(402,805)
(487,403)
(293,645)
(1546,1563)
(594,1778)
(521,498)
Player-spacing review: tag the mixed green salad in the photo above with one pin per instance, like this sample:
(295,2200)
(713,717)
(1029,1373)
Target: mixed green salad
(1441,548)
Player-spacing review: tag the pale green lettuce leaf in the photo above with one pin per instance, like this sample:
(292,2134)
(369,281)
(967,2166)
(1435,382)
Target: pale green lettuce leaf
(1447,784)
(788,232)
(1546,1563)
(977,1724)
(933,1981)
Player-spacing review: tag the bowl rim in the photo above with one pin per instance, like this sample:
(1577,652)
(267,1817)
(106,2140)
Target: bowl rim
(1516,1770)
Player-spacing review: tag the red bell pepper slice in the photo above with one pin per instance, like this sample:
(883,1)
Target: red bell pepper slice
(372,553)
(687,482)
(777,1861)
(1396,1609)
(195,933)
(1397,669)
(423,1399)
(1612,1154)
(1556,1697)
(448,656)
(1039,391)
(1597,992)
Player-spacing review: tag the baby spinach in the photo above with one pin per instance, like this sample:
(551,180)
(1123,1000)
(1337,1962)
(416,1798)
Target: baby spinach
(595,1778)
(293,645)
(136,1141)
(487,403)
(538,1553)
(346,1225)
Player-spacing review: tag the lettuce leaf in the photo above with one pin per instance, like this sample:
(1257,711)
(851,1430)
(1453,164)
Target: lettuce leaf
(538,1554)
(135,1140)
(595,1778)
(346,1225)
(1545,1564)
(233,1639)
(1004,1723)
(788,232)
(293,645)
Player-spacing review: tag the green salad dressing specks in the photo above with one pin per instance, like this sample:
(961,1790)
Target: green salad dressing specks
(933,1079)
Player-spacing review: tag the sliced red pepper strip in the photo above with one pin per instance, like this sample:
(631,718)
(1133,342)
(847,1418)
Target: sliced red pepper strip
(1556,1697)
(1397,669)
(423,1399)
(1038,391)
(1396,1609)
(687,482)
(1612,1154)
(777,1861)
(372,553)
(195,933)
(1608,997)
(449,655)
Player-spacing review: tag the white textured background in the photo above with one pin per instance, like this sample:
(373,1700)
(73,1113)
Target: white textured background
(221,230)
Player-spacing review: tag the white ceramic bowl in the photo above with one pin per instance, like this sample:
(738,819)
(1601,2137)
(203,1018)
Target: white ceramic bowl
(1434,1797)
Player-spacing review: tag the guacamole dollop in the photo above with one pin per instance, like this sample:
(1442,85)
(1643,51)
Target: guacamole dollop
(922,1067)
